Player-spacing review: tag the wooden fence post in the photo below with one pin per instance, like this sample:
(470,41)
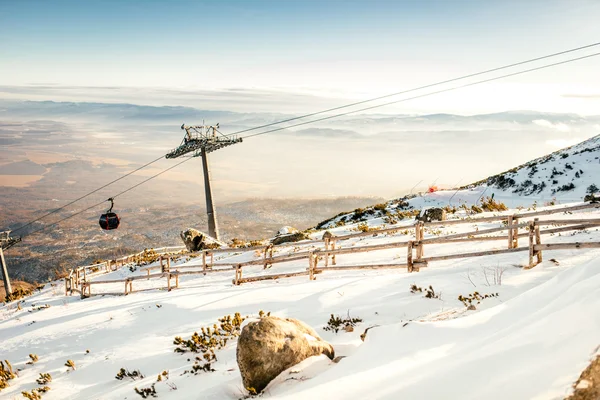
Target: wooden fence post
(333,262)
(162,267)
(67,281)
(326,240)
(212,259)
(516,233)
(265,257)
(509,222)
(538,239)
(168,281)
(204,261)
(531,244)
(421,250)
(311,268)
(409,256)
(168,264)
(268,249)
(238,275)
(126,287)
(177,279)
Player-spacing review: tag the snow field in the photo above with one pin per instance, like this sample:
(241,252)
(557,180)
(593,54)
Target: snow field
(530,342)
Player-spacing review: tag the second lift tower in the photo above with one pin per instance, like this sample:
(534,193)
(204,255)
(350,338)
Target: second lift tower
(198,142)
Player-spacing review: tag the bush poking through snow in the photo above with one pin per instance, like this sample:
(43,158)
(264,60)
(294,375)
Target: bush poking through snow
(364,227)
(476,209)
(211,339)
(164,374)
(18,294)
(70,364)
(33,359)
(475,297)
(125,373)
(197,367)
(336,323)
(44,379)
(35,394)
(489,204)
(6,374)
(39,308)
(240,244)
(429,292)
(147,392)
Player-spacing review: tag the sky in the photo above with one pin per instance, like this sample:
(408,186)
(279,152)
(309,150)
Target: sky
(303,53)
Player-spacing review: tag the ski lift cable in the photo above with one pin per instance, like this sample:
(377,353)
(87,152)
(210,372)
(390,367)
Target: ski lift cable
(418,88)
(424,95)
(343,114)
(87,195)
(104,201)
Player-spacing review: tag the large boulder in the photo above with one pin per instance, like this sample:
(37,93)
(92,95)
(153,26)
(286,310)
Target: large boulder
(271,345)
(195,240)
(432,214)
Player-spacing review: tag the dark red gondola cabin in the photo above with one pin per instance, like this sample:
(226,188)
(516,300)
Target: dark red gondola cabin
(109,220)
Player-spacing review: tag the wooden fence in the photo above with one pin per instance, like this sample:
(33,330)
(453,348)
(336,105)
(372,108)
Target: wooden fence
(415,253)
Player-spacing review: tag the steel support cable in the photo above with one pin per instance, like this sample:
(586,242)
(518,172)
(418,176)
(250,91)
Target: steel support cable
(88,194)
(418,88)
(424,95)
(102,202)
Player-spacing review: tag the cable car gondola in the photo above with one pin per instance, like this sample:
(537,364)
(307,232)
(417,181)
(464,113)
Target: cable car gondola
(109,220)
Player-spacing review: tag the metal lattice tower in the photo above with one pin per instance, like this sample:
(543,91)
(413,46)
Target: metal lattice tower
(6,242)
(198,142)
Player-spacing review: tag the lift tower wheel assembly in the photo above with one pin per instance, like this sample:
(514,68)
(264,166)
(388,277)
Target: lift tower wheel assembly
(198,142)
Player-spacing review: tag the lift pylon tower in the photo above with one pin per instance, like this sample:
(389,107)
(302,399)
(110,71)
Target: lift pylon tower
(6,242)
(198,142)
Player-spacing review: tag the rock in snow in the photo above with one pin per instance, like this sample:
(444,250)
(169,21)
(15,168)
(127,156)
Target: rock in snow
(432,214)
(195,240)
(271,345)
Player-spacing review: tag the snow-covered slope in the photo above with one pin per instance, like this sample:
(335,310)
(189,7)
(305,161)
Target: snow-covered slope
(529,342)
(564,176)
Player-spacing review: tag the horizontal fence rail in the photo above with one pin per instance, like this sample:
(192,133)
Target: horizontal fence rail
(415,255)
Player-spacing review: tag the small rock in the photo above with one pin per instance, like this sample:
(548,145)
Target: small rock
(349,328)
(293,237)
(286,230)
(471,308)
(583,384)
(432,214)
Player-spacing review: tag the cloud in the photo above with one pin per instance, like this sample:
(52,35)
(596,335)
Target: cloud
(547,124)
